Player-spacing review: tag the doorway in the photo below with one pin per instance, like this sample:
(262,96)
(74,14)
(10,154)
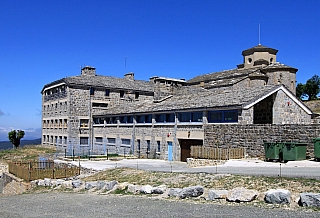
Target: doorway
(185,145)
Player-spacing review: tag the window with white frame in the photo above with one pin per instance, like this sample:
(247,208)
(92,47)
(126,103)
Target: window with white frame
(125,142)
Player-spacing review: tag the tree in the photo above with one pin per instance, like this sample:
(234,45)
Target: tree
(300,91)
(15,136)
(312,87)
(310,90)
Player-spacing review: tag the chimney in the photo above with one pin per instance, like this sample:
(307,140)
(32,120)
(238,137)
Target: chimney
(88,71)
(129,76)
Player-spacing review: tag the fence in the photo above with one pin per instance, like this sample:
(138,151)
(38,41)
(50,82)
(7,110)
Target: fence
(202,152)
(39,170)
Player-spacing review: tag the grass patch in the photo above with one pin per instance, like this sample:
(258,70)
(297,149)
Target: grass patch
(26,153)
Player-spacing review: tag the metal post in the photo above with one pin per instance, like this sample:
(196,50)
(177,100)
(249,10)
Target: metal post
(107,155)
(73,154)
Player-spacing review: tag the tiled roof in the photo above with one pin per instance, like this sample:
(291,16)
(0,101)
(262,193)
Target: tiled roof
(207,99)
(106,82)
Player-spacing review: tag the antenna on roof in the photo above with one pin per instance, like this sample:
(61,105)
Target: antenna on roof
(259,34)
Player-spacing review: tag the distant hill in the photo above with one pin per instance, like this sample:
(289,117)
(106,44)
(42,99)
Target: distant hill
(7,145)
(314,105)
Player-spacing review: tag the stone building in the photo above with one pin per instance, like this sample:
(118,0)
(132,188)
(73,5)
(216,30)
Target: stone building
(163,117)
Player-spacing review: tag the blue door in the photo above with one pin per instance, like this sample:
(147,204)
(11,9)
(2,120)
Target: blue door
(169,151)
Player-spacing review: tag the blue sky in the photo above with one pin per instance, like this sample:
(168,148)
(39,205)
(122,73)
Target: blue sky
(42,41)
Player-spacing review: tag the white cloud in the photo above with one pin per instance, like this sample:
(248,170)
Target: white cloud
(30,133)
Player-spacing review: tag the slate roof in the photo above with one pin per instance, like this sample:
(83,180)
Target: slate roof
(235,74)
(259,48)
(105,82)
(230,77)
(208,99)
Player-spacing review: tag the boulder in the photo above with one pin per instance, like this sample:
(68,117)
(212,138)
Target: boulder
(242,195)
(119,186)
(133,188)
(59,182)
(90,185)
(110,185)
(193,191)
(41,182)
(100,184)
(76,183)
(174,192)
(146,189)
(67,184)
(159,190)
(217,194)
(277,196)
(309,200)
(47,182)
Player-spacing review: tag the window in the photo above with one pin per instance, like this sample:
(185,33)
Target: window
(111,120)
(95,104)
(111,141)
(148,145)
(107,93)
(144,118)
(125,142)
(91,91)
(84,123)
(126,119)
(99,140)
(98,120)
(223,116)
(165,118)
(136,96)
(121,94)
(158,143)
(196,117)
(185,117)
(138,144)
(160,118)
(84,140)
(170,118)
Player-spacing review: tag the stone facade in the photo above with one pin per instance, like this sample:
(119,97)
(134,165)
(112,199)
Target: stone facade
(163,117)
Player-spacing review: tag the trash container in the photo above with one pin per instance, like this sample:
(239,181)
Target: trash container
(272,150)
(294,151)
(316,142)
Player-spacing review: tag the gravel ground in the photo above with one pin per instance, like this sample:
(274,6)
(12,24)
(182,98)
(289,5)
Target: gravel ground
(88,205)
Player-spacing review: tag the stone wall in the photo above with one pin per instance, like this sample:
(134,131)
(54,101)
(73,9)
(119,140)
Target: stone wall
(252,137)
(13,185)
(286,111)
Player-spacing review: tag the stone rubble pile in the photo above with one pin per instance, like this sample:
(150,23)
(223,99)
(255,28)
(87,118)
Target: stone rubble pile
(239,194)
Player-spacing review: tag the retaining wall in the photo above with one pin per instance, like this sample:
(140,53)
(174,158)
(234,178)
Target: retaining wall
(252,137)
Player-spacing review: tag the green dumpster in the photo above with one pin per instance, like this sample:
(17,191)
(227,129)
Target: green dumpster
(294,151)
(316,142)
(272,150)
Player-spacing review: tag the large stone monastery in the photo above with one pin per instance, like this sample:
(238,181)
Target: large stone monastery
(163,117)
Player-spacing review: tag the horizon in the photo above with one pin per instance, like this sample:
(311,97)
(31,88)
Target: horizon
(45,41)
